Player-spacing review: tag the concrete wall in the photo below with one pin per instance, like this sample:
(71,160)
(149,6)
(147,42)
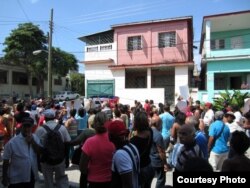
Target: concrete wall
(151,53)
(109,53)
(181,80)
(21,90)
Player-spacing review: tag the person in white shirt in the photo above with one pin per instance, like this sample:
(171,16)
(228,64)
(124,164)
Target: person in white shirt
(20,167)
(208,117)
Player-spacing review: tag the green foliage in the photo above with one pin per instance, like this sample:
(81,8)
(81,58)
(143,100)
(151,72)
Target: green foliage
(22,42)
(27,38)
(63,62)
(77,83)
(235,98)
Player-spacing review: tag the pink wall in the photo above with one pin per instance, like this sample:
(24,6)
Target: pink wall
(150,52)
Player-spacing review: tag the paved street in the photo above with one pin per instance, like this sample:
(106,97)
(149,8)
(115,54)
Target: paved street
(74,175)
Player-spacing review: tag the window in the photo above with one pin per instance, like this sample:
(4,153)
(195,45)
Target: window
(217,44)
(136,78)
(92,49)
(236,43)
(58,81)
(3,77)
(134,43)
(19,78)
(167,39)
(34,81)
(106,47)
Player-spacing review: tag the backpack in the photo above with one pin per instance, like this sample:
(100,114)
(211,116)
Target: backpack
(54,149)
(135,158)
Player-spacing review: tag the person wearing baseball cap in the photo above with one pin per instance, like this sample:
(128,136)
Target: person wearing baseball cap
(126,160)
(21,151)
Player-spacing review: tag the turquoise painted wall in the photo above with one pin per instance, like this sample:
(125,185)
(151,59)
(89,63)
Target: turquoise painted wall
(228,51)
(229,66)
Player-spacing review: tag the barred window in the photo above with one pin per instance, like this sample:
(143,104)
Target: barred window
(92,49)
(106,47)
(136,78)
(3,77)
(20,78)
(236,42)
(134,43)
(217,44)
(167,39)
(58,81)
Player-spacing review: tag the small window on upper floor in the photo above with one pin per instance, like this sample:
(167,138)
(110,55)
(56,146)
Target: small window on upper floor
(217,44)
(134,43)
(167,39)
(236,42)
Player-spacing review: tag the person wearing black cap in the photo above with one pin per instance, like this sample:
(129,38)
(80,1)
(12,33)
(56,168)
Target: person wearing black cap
(21,153)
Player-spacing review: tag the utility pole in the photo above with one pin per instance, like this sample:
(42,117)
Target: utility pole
(49,55)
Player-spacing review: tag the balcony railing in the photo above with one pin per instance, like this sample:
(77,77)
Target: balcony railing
(100,52)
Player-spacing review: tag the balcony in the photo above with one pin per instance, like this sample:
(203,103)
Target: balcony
(101,52)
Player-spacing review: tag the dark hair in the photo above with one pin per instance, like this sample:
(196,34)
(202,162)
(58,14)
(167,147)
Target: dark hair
(180,118)
(20,107)
(239,142)
(117,113)
(81,112)
(141,121)
(100,119)
(197,102)
(72,112)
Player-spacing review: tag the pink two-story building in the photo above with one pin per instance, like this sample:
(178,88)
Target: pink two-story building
(140,60)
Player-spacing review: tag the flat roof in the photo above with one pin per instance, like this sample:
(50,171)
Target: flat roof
(152,21)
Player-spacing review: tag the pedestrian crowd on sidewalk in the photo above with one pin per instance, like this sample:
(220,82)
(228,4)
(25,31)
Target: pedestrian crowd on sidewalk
(124,146)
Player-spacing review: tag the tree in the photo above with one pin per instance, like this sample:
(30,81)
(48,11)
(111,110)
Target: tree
(19,50)
(20,45)
(77,83)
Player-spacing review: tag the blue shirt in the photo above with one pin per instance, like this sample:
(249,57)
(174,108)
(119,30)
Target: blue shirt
(82,121)
(167,123)
(220,145)
(156,161)
(202,141)
(23,159)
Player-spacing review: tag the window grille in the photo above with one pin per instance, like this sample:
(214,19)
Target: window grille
(106,47)
(167,39)
(217,44)
(136,78)
(134,43)
(58,81)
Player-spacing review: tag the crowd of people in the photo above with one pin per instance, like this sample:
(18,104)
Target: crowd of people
(122,146)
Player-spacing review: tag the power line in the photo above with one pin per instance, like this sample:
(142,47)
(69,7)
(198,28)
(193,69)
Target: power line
(112,11)
(23,10)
